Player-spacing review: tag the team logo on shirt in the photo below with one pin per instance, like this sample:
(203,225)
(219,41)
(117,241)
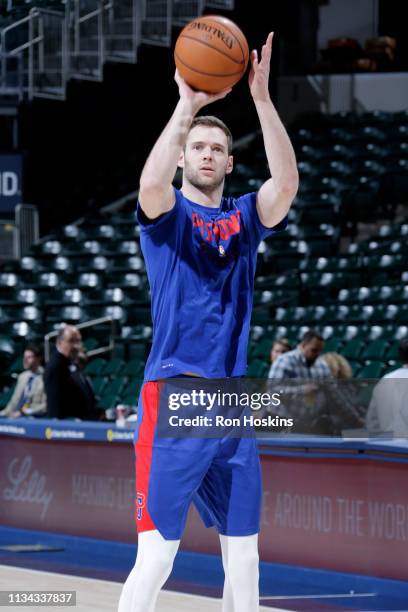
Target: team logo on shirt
(219,229)
(140,504)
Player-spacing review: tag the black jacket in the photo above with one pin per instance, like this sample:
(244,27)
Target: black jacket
(67,395)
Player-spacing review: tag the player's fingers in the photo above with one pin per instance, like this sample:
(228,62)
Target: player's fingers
(254,58)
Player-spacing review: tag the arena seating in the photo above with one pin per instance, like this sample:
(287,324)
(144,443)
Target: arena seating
(319,273)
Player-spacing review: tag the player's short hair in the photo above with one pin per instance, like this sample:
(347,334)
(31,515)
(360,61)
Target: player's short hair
(211,121)
(310,335)
(403,350)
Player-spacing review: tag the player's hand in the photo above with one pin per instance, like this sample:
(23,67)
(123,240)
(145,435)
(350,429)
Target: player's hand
(198,99)
(259,74)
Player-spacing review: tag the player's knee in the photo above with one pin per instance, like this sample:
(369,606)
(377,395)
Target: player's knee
(161,564)
(242,567)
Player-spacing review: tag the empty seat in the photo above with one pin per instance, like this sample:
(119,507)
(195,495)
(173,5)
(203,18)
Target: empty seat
(65,296)
(95,367)
(353,349)
(375,351)
(133,368)
(66,314)
(9,279)
(114,295)
(95,263)
(371,370)
(115,386)
(257,369)
(98,384)
(113,367)
(51,247)
(132,390)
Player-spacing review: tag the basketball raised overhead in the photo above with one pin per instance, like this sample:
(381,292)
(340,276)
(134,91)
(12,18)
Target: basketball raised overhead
(211,53)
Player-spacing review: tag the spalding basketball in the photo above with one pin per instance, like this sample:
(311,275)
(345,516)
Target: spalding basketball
(211,53)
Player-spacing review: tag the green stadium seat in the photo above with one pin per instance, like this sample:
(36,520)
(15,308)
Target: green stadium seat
(375,351)
(113,367)
(115,312)
(353,349)
(355,366)
(95,367)
(261,316)
(104,297)
(87,247)
(132,389)
(261,349)
(115,386)
(98,384)
(96,263)
(129,400)
(26,313)
(51,247)
(9,279)
(333,345)
(90,344)
(7,347)
(134,368)
(108,401)
(398,332)
(371,370)
(66,314)
(90,280)
(392,354)
(62,297)
(258,369)
(16,366)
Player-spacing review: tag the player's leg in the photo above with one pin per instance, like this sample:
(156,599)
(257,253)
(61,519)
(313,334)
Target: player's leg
(231,493)
(168,472)
(227,598)
(241,566)
(154,563)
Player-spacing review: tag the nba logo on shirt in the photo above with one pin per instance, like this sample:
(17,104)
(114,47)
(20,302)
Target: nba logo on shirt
(140,504)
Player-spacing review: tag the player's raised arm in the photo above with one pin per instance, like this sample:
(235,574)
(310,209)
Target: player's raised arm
(156,194)
(276,194)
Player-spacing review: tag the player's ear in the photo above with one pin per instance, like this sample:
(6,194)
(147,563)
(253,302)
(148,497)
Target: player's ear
(180,162)
(230,164)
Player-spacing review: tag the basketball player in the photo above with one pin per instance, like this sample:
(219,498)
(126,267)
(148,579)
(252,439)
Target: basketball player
(200,252)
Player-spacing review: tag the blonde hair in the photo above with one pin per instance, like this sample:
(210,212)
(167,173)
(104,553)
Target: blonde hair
(338,365)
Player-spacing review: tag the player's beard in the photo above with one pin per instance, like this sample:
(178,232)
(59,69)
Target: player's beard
(206,184)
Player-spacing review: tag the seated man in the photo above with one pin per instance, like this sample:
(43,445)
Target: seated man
(29,395)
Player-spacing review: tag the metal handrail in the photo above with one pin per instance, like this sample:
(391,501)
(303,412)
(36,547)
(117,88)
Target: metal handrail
(91,323)
(34,39)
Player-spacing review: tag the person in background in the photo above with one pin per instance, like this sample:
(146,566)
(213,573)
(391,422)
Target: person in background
(303,361)
(341,408)
(301,369)
(29,397)
(279,346)
(85,386)
(388,409)
(66,399)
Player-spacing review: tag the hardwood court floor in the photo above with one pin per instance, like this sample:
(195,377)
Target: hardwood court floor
(96,595)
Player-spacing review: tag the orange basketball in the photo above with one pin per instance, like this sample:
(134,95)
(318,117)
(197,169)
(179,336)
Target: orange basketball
(211,53)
